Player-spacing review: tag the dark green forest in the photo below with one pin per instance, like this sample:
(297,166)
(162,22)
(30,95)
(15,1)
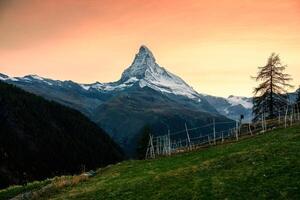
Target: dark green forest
(41,139)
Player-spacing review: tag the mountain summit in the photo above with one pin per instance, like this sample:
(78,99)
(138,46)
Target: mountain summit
(144,61)
(147,72)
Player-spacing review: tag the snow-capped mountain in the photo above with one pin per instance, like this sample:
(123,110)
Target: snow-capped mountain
(29,79)
(237,100)
(145,72)
(233,106)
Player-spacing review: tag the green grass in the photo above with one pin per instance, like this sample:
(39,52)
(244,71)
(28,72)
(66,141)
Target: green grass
(263,167)
(15,190)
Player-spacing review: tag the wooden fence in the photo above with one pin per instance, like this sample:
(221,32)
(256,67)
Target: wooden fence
(181,141)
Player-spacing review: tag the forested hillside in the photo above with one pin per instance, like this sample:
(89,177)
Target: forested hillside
(40,139)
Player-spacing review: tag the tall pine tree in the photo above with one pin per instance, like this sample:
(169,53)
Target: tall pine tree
(271,94)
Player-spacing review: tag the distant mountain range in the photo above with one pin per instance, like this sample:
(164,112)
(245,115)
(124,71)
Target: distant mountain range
(145,94)
(42,139)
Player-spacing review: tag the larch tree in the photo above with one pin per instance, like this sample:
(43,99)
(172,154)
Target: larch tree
(271,94)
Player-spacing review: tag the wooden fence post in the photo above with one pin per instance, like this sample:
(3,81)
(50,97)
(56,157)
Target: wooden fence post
(148,148)
(236,130)
(214,130)
(285,117)
(157,145)
(152,152)
(188,136)
(262,122)
(291,116)
(279,117)
(265,122)
(169,141)
(250,129)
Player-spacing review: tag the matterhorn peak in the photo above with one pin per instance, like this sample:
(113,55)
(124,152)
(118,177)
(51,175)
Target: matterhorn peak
(146,72)
(144,57)
(144,61)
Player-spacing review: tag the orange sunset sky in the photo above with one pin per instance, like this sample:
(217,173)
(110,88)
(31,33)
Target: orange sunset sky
(214,45)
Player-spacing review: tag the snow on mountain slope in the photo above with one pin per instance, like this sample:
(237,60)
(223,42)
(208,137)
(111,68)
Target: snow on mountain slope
(4,77)
(145,69)
(33,78)
(36,77)
(244,101)
(232,107)
(110,86)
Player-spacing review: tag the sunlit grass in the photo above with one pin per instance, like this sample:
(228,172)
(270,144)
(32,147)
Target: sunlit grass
(266,166)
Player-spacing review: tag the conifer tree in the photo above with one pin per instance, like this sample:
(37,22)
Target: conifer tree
(271,93)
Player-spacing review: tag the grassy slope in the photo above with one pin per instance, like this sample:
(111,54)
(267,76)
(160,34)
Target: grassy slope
(264,167)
